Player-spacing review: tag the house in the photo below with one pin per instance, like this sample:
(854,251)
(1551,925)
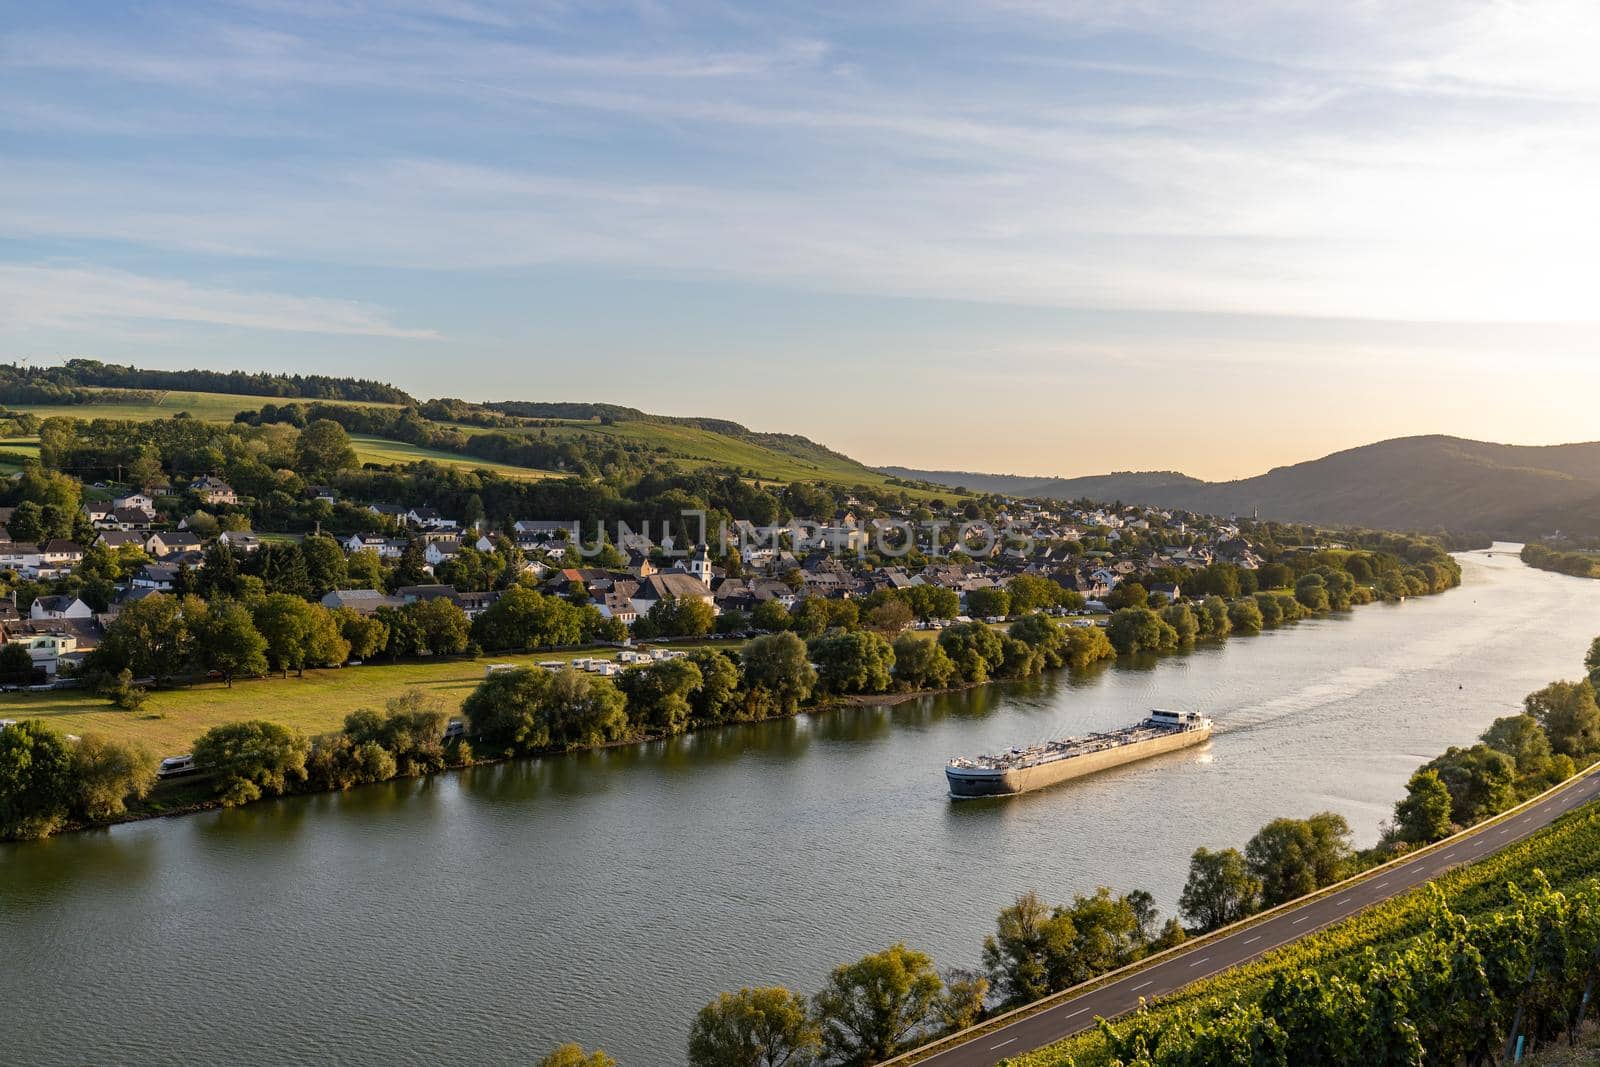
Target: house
(392,511)
(472,603)
(360,601)
(240,540)
(543,530)
(323,492)
(428,519)
(1170,590)
(97,511)
(157,576)
(438,552)
(59,607)
(213,490)
(51,643)
(20,556)
(171,542)
(60,552)
(669,585)
(617,604)
(127,519)
(134,500)
(115,539)
(385,547)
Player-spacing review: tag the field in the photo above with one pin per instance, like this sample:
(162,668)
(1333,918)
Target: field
(379,450)
(14,449)
(207,407)
(314,704)
(776,459)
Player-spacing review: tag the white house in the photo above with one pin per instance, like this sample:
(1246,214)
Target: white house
(240,540)
(134,500)
(429,519)
(213,490)
(59,607)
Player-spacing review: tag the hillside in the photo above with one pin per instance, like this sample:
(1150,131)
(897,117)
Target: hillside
(689,443)
(1408,483)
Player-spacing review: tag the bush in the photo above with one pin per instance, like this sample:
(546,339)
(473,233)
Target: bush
(35,780)
(106,773)
(252,759)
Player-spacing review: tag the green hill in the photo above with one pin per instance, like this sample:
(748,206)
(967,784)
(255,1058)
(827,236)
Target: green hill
(687,442)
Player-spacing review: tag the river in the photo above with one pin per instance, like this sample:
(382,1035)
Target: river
(602,897)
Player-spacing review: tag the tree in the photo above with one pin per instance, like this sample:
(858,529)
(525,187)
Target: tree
(1570,717)
(367,635)
(1182,621)
(770,615)
(1423,814)
(35,780)
(1591,661)
(1086,645)
(1026,957)
(106,773)
(860,662)
(962,1002)
(324,449)
(411,729)
(1127,595)
(1311,590)
(974,648)
(326,566)
(989,603)
(525,619)
(1292,857)
(1246,616)
(868,1009)
(658,694)
(150,637)
(572,1055)
(1030,592)
(252,759)
(1523,739)
(777,674)
(1220,889)
(299,634)
(764,1027)
(682,617)
(1044,635)
(1140,630)
(921,664)
(228,642)
(16,665)
(532,710)
(1481,781)
(889,617)
(717,696)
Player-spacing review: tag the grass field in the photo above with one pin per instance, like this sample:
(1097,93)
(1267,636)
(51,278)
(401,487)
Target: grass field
(379,450)
(315,704)
(207,407)
(776,460)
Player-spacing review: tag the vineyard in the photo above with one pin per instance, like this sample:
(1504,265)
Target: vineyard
(1497,952)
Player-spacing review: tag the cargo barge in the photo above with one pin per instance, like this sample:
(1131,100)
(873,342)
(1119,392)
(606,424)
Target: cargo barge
(1020,770)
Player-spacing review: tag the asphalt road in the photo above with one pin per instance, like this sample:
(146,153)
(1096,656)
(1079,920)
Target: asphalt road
(1071,1016)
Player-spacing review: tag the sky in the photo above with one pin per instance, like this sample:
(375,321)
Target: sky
(1019,236)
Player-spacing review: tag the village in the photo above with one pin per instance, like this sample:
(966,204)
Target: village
(59,610)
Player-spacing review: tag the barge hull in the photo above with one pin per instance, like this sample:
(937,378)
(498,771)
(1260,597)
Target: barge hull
(968,782)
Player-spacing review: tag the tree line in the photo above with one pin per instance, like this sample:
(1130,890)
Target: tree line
(79,373)
(1576,564)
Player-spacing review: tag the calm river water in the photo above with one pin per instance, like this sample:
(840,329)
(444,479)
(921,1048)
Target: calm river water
(602,897)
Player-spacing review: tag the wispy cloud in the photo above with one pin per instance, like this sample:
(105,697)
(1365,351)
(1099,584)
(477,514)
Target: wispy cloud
(52,296)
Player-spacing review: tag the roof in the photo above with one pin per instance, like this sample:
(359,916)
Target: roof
(670,584)
(55,603)
(62,546)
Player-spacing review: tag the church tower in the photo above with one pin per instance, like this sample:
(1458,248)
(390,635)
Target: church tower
(700,564)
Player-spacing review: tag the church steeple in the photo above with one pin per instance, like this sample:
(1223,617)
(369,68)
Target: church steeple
(700,564)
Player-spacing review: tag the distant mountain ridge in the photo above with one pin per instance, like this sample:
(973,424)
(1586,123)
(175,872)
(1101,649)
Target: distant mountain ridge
(1432,482)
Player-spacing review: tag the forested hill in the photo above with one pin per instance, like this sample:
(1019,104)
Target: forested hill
(73,381)
(1408,483)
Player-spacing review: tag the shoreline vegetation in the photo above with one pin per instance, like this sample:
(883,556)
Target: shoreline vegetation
(1512,941)
(1576,564)
(47,787)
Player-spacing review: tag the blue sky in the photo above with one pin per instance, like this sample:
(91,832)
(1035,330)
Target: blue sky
(1018,236)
